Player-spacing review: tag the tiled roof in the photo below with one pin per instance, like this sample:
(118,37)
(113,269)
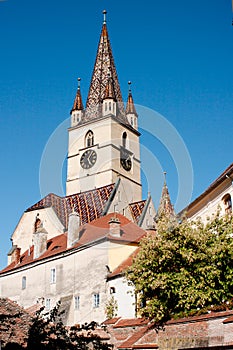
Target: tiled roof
(136,209)
(131,322)
(130,342)
(96,230)
(227,172)
(104,65)
(14,323)
(89,205)
(111,321)
(78,104)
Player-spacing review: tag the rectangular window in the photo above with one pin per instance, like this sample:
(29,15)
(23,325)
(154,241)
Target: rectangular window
(47,303)
(53,275)
(96,300)
(77,302)
(24,280)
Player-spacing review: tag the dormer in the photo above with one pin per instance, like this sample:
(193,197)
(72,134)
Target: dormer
(109,105)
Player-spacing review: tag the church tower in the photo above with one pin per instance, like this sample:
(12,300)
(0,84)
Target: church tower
(103,137)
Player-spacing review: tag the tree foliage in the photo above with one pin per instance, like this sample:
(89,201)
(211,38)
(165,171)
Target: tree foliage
(48,332)
(184,268)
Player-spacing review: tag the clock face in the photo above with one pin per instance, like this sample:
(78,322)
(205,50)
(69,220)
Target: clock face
(88,159)
(126,161)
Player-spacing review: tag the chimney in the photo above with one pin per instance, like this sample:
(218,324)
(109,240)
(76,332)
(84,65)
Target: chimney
(39,239)
(14,255)
(115,227)
(73,229)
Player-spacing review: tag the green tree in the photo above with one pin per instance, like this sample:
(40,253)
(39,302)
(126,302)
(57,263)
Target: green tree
(184,269)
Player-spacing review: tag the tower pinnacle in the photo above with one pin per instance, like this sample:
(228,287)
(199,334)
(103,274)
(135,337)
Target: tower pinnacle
(165,206)
(104,13)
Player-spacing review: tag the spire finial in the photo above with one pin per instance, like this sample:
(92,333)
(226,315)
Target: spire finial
(104,13)
(79,80)
(129,85)
(165,177)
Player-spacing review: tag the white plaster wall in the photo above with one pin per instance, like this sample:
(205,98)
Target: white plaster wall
(107,141)
(22,236)
(82,273)
(209,204)
(124,296)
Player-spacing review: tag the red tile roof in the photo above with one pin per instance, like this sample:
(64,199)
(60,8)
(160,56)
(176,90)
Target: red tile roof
(89,205)
(227,172)
(146,346)
(130,342)
(131,322)
(96,230)
(111,321)
(15,322)
(136,209)
(198,318)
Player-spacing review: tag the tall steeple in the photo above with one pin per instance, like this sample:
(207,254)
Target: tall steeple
(165,206)
(104,64)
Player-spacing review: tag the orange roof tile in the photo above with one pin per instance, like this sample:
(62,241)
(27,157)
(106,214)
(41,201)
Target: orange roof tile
(130,343)
(96,230)
(131,322)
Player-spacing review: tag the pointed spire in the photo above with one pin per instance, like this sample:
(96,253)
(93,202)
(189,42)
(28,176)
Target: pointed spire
(165,205)
(78,104)
(130,108)
(104,61)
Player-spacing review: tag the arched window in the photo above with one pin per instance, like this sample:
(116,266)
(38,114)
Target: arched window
(124,137)
(89,139)
(227,202)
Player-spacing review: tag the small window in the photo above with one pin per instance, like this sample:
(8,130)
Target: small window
(24,282)
(89,139)
(227,202)
(124,137)
(77,302)
(112,290)
(132,121)
(106,106)
(48,303)
(96,300)
(53,275)
(110,106)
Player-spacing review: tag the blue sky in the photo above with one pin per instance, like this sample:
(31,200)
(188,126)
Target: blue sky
(178,54)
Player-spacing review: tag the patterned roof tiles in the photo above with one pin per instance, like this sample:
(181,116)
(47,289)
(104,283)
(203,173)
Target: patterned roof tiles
(104,65)
(89,205)
(136,209)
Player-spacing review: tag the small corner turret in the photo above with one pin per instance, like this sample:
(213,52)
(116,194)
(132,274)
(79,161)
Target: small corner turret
(77,112)
(130,111)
